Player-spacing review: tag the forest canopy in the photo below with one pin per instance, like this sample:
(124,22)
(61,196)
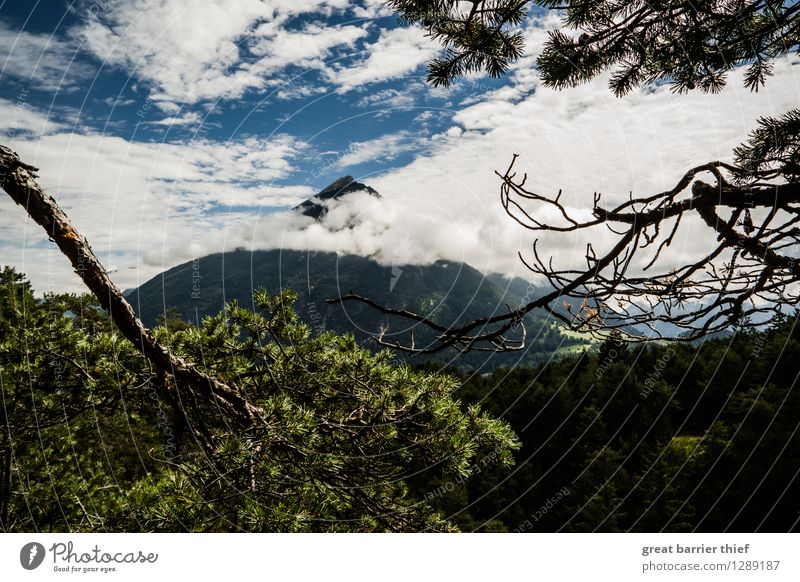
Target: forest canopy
(656,438)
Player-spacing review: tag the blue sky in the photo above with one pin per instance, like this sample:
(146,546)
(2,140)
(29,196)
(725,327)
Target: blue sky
(119,85)
(170,129)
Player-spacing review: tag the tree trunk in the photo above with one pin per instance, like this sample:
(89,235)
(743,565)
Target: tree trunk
(19,181)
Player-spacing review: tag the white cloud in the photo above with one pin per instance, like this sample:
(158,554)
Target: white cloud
(117,101)
(188,118)
(388,99)
(306,47)
(396,53)
(40,61)
(135,200)
(190,51)
(581,140)
(372,9)
(18,117)
(445,204)
(386,147)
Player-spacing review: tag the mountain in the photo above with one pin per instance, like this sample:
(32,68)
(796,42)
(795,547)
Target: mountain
(446,291)
(317,206)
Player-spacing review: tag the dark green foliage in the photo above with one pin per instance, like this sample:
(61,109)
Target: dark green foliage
(773,149)
(669,437)
(480,37)
(689,44)
(87,444)
(652,438)
(67,443)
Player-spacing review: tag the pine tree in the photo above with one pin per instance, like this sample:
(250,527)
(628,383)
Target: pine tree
(87,443)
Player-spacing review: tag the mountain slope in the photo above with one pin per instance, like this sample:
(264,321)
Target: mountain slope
(446,291)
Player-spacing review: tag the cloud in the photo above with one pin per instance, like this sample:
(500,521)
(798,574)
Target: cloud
(133,200)
(188,118)
(580,140)
(385,148)
(20,118)
(117,101)
(306,47)
(388,99)
(372,9)
(396,53)
(40,61)
(189,51)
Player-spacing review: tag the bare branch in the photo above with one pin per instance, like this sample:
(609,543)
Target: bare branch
(742,280)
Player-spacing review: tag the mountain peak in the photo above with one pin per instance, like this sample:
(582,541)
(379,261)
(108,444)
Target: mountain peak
(316,207)
(339,184)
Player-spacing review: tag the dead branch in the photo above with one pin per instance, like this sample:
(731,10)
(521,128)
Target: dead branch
(745,279)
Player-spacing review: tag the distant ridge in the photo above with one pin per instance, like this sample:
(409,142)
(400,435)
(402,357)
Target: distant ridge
(316,207)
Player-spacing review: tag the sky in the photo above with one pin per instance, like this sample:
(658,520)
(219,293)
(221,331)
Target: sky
(172,129)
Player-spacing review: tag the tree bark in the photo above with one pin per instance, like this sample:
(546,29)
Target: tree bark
(19,181)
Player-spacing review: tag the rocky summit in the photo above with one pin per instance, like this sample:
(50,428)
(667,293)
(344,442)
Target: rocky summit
(317,206)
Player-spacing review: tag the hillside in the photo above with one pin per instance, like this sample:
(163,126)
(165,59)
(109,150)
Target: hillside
(447,291)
